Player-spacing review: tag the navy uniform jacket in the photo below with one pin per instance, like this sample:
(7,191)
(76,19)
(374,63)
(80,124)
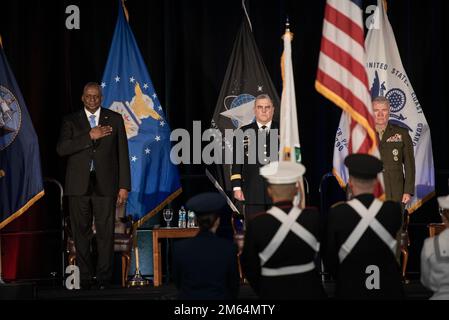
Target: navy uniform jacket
(351,275)
(247,175)
(396,152)
(292,251)
(110,154)
(205,267)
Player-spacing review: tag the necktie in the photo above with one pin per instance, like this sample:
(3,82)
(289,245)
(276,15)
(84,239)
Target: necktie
(380,134)
(92,121)
(265,129)
(92,124)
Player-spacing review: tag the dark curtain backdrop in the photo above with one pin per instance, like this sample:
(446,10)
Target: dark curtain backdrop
(186,45)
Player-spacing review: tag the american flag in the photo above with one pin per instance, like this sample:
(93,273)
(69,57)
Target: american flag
(341,75)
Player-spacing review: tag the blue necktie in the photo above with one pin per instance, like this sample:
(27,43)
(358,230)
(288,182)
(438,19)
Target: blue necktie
(92,124)
(92,121)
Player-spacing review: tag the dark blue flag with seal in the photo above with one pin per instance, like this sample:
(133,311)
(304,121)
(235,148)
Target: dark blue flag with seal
(246,77)
(128,90)
(21,182)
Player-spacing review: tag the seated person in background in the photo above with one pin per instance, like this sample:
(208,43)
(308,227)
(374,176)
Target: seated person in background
(361,238)
(435,257)
(281,244)
(205,267)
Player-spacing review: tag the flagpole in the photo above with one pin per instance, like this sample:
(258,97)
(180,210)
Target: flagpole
(125,10)
(137,280)
(1,272)
(220,189)
(246,14)
(287,150)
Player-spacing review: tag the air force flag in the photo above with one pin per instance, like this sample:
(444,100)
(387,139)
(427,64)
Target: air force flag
(128,90)
(388,78)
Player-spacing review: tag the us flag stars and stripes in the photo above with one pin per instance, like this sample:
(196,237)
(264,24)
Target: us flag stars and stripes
(341,75)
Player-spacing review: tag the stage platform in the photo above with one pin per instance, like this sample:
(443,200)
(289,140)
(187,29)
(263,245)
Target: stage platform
(414,291)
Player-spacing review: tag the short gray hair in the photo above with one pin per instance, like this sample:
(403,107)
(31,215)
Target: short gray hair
(263,96)
(93,85)
(381,99)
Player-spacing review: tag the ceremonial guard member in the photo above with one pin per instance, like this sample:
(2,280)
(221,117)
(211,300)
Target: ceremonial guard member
(281,244)
(205,267)
(435,257)
(248,186)
(361,238)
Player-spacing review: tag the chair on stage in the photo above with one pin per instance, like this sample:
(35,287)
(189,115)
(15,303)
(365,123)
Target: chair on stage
(123,241)
(435,229)
(404,244)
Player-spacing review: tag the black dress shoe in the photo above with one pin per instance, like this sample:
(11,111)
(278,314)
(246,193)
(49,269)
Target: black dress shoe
(86,285)
(104,285)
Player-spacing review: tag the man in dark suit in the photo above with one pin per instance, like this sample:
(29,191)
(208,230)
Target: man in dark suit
(248,186)
(361,244)
(97,180)
(281,244)
(205,267)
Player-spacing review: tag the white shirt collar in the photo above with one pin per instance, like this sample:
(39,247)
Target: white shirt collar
(97,115)
(268,125)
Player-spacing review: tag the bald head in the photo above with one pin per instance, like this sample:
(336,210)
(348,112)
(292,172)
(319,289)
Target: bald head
(92,97)
(92,85)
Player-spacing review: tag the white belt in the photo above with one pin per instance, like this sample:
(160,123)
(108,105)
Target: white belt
(285,271)
(288,223)
(368,221)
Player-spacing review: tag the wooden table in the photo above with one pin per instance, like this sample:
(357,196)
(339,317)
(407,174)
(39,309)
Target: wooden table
(167,233)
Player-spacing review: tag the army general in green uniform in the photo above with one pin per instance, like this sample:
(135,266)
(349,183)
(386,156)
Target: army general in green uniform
(396,152)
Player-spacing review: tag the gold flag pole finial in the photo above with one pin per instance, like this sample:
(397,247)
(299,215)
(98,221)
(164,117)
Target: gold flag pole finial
(287,28)
(125,10)
(1,44)
(289,34)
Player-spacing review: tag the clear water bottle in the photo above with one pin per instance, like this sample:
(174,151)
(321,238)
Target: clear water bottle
(191,219)
(182,218)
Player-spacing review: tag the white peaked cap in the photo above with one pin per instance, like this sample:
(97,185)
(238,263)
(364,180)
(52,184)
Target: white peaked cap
(284,172)
(443,202)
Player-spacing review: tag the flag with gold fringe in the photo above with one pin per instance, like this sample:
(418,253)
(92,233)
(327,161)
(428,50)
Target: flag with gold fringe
(21,182)
(128,90)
